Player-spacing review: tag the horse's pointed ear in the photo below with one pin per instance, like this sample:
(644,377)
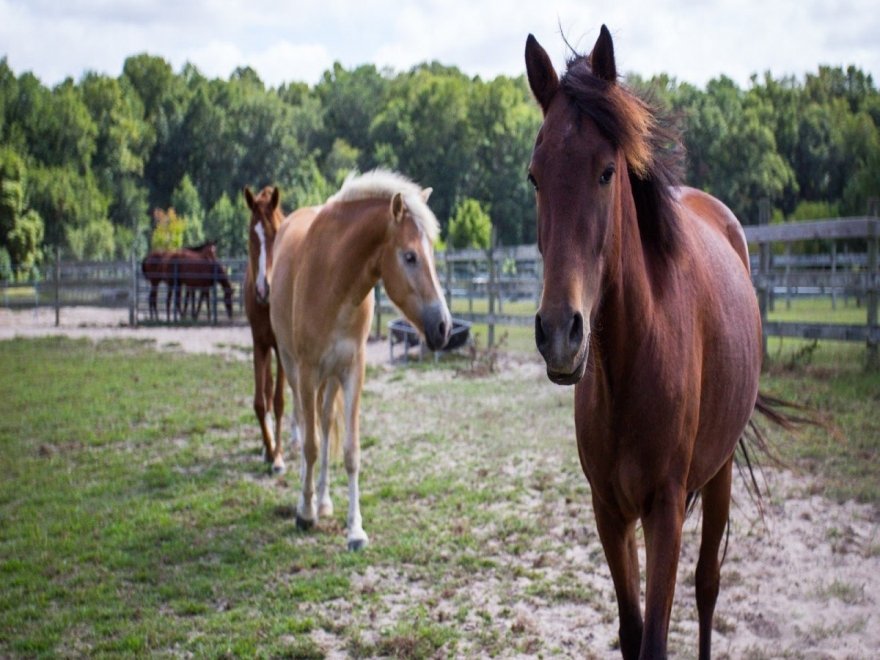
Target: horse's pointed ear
(276,197)
(602,57)
(426,193)
(397,207)
(249,197)
(542,76)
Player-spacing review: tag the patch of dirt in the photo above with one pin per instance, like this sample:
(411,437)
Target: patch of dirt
(802,583)
(99,323)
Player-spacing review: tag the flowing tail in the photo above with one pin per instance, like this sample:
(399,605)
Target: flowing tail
(785,414)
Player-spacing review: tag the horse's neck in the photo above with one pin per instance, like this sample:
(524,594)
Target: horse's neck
(626,311)
(354,239)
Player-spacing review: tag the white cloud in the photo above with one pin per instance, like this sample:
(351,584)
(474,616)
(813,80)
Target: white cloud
(297,41)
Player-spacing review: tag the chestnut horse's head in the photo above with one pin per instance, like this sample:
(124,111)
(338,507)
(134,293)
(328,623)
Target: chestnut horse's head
(407,265)
(596,142)
(265,220)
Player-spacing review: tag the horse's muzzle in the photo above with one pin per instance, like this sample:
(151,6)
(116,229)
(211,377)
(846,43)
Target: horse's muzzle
(562,342)
(437,324)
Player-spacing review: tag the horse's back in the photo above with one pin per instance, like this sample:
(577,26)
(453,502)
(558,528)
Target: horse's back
(716,215)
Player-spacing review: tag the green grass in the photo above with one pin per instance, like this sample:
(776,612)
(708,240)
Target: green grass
(136,517)
(819,310)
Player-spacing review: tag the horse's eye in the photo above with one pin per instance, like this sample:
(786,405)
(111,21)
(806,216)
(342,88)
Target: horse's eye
(607,175)
(410,258)
(533,181)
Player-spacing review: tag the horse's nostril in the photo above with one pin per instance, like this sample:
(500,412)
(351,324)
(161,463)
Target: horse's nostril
(576,334)
(441,329)
(540,336)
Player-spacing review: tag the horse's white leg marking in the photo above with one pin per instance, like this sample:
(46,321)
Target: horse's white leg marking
(325,504)
(357,537)
(261,271)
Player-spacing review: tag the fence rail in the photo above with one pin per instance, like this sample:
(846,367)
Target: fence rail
(489,287)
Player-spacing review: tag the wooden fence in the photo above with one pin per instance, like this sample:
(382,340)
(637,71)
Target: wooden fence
(502,287)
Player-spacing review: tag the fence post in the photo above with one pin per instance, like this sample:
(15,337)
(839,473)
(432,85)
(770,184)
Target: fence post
(490,253)
(133,294)
(873,362)
(764,290)
(175,289)
(57,286)
(834,276)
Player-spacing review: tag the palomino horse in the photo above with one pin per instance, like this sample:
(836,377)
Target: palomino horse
(648,309)
(266,217)
(328,259)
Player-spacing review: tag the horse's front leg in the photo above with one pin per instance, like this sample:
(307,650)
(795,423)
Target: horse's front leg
(621,552)
(357,537)
(306,511)
(662,527)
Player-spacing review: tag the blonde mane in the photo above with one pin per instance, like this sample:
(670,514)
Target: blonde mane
(384,184)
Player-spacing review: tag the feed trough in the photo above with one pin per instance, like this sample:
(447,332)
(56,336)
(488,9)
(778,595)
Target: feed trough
(400,331)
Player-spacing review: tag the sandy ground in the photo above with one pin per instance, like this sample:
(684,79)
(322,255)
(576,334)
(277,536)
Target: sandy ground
(105,323)
(802,584)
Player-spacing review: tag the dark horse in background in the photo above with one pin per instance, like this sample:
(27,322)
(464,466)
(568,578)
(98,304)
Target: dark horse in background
(265,220)
(648,309)
(197,268)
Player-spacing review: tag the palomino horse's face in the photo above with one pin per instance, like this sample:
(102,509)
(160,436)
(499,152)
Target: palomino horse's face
(261,239)
(410,279)
(573,170)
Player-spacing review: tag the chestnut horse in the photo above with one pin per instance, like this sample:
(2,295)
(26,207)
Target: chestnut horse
(265,220)
(196,267)
(328,259)
(155,268)
(648,309)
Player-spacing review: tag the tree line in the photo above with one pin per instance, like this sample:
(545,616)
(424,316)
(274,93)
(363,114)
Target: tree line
(103,166)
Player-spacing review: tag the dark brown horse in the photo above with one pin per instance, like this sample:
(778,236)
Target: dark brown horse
(197,267)
(266,217)
(648,309)
(199,272)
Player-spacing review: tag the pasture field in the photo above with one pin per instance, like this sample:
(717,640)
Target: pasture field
(136,517)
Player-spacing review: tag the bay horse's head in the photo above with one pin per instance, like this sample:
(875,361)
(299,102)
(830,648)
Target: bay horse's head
(592,162)
(407,265)
(265,219)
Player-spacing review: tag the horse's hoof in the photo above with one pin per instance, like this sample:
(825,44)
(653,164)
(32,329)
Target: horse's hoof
(357,544)
(304,525)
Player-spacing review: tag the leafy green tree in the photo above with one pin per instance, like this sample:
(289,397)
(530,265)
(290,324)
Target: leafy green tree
(342,159)
(95,240)
(350,102)
(426,123)
(188,206)
(470,227)
(227,225)
(68,202)
(504,121)
(168,230)
(21,228)
(63,134)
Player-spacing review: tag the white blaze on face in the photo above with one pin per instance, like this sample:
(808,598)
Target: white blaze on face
(261,273)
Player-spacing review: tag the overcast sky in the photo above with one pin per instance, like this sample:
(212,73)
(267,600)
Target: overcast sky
(295,40)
